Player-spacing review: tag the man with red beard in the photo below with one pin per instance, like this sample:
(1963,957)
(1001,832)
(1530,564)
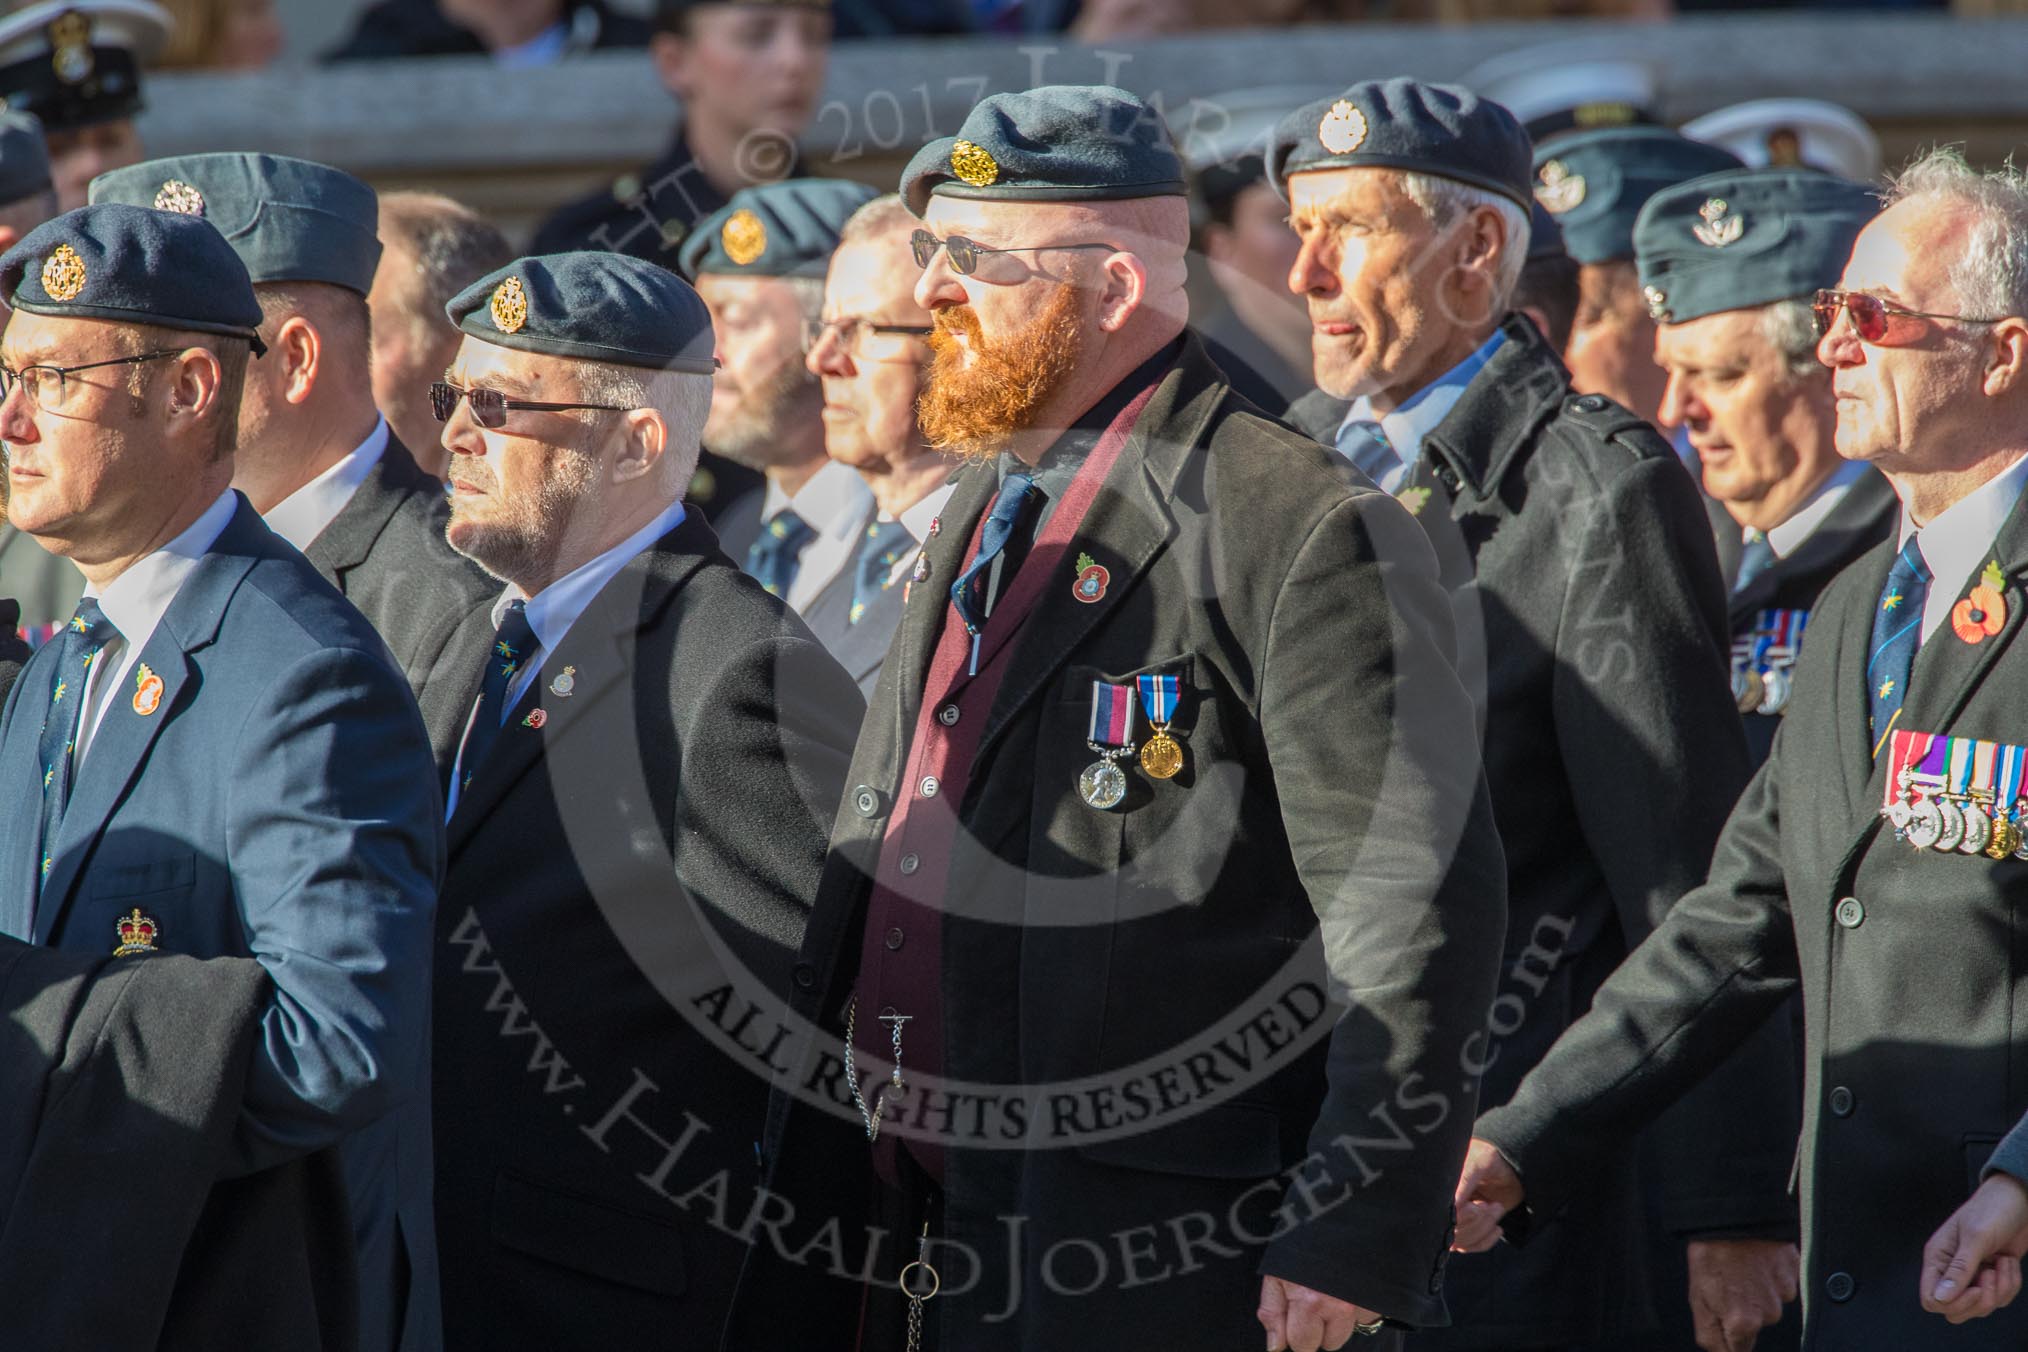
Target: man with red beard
(1169,754)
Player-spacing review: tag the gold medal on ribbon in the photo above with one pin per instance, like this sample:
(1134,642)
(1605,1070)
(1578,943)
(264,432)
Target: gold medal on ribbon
(1161,757)
(1161,754)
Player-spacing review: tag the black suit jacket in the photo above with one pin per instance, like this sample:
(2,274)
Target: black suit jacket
(1864,517)
(1907,962)
(1330,831)
(1591,617)
(432,606)
(120,1085)
(13,650)
(630,871)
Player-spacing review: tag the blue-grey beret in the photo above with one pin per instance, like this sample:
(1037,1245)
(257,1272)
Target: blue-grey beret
(1746,237)
(24,158)
(1545,236)
(1405,124)
(1594,183)
(288,220)
(1057,143)
(132,266)
(595,306)
(786,229)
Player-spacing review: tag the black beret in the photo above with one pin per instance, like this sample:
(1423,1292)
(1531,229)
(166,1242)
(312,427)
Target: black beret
(132,266)
(1057,143)
(288,220)
(669,13)
(786,229)
(1746,237)
(24,158)
(1594,183)
(77,63)
(1545,236)
(594,306)
(1405,124)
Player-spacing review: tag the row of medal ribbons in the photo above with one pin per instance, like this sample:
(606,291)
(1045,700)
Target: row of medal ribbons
(1957,795)
(1764,661)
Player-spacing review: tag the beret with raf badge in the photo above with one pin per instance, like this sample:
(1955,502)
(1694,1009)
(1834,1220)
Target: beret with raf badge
(289,220)
(1545,236)
(591,306)
(1746,237)
(131,265)
(1056,143)
(24,158)
(1595,182)
(1443,130)
(77,63)
(786,229)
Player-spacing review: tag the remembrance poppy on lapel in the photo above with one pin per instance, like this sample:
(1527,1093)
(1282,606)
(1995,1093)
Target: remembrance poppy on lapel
(1092,580)
(1983,611)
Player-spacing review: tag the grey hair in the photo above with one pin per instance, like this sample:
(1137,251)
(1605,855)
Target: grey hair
(683,398)
(1445,200)
(1990,273)
(876,219)
(1789,327)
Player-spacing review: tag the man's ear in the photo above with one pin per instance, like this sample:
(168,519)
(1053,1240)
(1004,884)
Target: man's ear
(195,378)
(644,437)
(671,55)
(1125,287)
(299,349)
(2007,357)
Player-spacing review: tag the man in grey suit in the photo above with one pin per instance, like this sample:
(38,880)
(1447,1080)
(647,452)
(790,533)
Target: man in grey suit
(317,459)
(870,350)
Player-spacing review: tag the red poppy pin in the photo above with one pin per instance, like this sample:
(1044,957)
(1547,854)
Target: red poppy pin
(1092,580)
(536,718)
(1983,611)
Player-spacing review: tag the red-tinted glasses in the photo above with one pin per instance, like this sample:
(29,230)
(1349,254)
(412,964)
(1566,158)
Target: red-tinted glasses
(1872,318)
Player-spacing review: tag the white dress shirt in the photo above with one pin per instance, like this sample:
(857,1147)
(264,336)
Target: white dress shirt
(1789,536)
(135,602)
(835,504)
(1959,541)
(302,516)
(554,609)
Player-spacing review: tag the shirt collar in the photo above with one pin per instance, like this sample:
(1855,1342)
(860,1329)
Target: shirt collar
(554,609)
(833,494)
(302,516)
(1418,415)
(1788,537)
(1961,536)
(916,520)
(137,599)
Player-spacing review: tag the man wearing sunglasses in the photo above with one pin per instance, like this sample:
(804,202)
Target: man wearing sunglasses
(316,458)
(759,264)
(1168,721)
(871,352)
(1829,881)
(1591,626)
(217,752)
(653,749)
(1735,334)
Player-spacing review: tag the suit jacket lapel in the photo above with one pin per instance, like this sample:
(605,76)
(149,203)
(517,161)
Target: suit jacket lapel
(346,542)
(1849,700)
(928,601)
(22,779)
(1860,516)
(1947,668)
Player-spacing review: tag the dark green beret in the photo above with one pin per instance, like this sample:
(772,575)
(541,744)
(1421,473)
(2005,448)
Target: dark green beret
(786,229)
(1746,237)
(1405,124)
(132,266)
(593,306)
(1545,236)
(288,220)
(1058,143)
(24,158)
(1594,183)
(77,63)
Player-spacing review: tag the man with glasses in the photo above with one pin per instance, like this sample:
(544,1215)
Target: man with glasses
(1737,342)
(316,457)
(1591,620)
(759,264)
(216,756)
(654,746)
(1169,730)
(1873,864)
(870,350)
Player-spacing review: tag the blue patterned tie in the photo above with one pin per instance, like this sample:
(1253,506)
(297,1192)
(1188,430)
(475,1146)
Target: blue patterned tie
(78,646)
(1897,630)
(884,544)
(1367,447)
(968,593)
(773,558)
(1756,556)
(512,646)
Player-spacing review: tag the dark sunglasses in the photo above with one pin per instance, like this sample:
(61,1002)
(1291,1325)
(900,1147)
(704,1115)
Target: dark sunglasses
(1871,315)
(965,254)
(490,407)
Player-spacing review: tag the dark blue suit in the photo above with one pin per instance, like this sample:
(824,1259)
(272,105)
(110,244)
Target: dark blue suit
(281,803)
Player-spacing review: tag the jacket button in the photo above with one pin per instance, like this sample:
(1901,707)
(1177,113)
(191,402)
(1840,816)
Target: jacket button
(948,715)
(1841,1101)
(1850,913)
(805,976)
(930,786)
(1448,478)
(909,864)
(1839,1286)
(1588,403)
(893,940)
(866,801)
